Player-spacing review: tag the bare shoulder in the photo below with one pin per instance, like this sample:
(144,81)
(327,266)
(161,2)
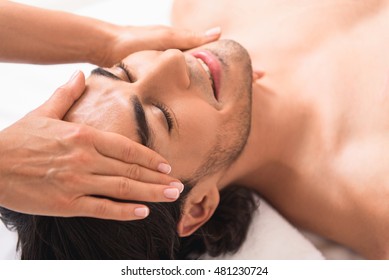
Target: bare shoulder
(202,11)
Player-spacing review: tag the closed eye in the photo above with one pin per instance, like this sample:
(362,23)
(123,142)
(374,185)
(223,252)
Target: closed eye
(164,109)
(166,112)
(128,73)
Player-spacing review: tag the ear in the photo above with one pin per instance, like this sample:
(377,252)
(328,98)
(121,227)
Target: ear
(199,206)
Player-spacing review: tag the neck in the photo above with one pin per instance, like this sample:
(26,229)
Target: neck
(277,143)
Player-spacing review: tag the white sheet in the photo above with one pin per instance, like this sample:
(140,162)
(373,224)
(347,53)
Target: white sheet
(24,87)
(8,241)
(271,237)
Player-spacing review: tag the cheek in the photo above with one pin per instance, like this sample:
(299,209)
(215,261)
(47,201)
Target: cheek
(198,125)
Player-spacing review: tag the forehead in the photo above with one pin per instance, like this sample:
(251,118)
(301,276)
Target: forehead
(106,107)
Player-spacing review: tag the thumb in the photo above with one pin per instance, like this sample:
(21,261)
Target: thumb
(63,98)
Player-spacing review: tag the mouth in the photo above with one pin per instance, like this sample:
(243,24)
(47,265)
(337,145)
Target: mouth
(211,66)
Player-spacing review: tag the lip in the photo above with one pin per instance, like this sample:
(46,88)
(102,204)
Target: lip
(214,67)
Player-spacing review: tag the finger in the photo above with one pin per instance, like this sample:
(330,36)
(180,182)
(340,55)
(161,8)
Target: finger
(186,39)
(112,167)
(63,98)
(128,189)
(128,151)
(103,208)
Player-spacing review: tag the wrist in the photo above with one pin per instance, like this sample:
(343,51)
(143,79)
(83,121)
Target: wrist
(101,50)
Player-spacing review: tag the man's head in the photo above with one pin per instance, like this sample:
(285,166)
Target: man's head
(193,108)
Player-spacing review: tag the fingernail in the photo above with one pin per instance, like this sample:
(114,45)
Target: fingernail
(75,74)
(164,168)
(213,32)
(141,212)
(178,185)
(171,193)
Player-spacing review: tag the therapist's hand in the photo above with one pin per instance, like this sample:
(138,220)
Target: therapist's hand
(52,167)
(129,39)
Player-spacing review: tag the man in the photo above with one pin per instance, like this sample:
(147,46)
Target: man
(310,136)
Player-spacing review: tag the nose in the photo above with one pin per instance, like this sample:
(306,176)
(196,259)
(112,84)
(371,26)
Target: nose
(168,70)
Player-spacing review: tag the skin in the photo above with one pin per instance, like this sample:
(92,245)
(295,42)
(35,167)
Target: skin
(50,167)
(318,148)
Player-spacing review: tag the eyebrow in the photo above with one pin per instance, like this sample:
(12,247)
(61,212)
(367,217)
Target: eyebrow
(102,72)
(143,129)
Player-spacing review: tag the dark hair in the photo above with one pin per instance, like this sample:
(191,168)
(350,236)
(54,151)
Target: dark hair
(155,237)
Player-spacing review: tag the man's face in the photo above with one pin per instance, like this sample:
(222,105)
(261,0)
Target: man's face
(192,108)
